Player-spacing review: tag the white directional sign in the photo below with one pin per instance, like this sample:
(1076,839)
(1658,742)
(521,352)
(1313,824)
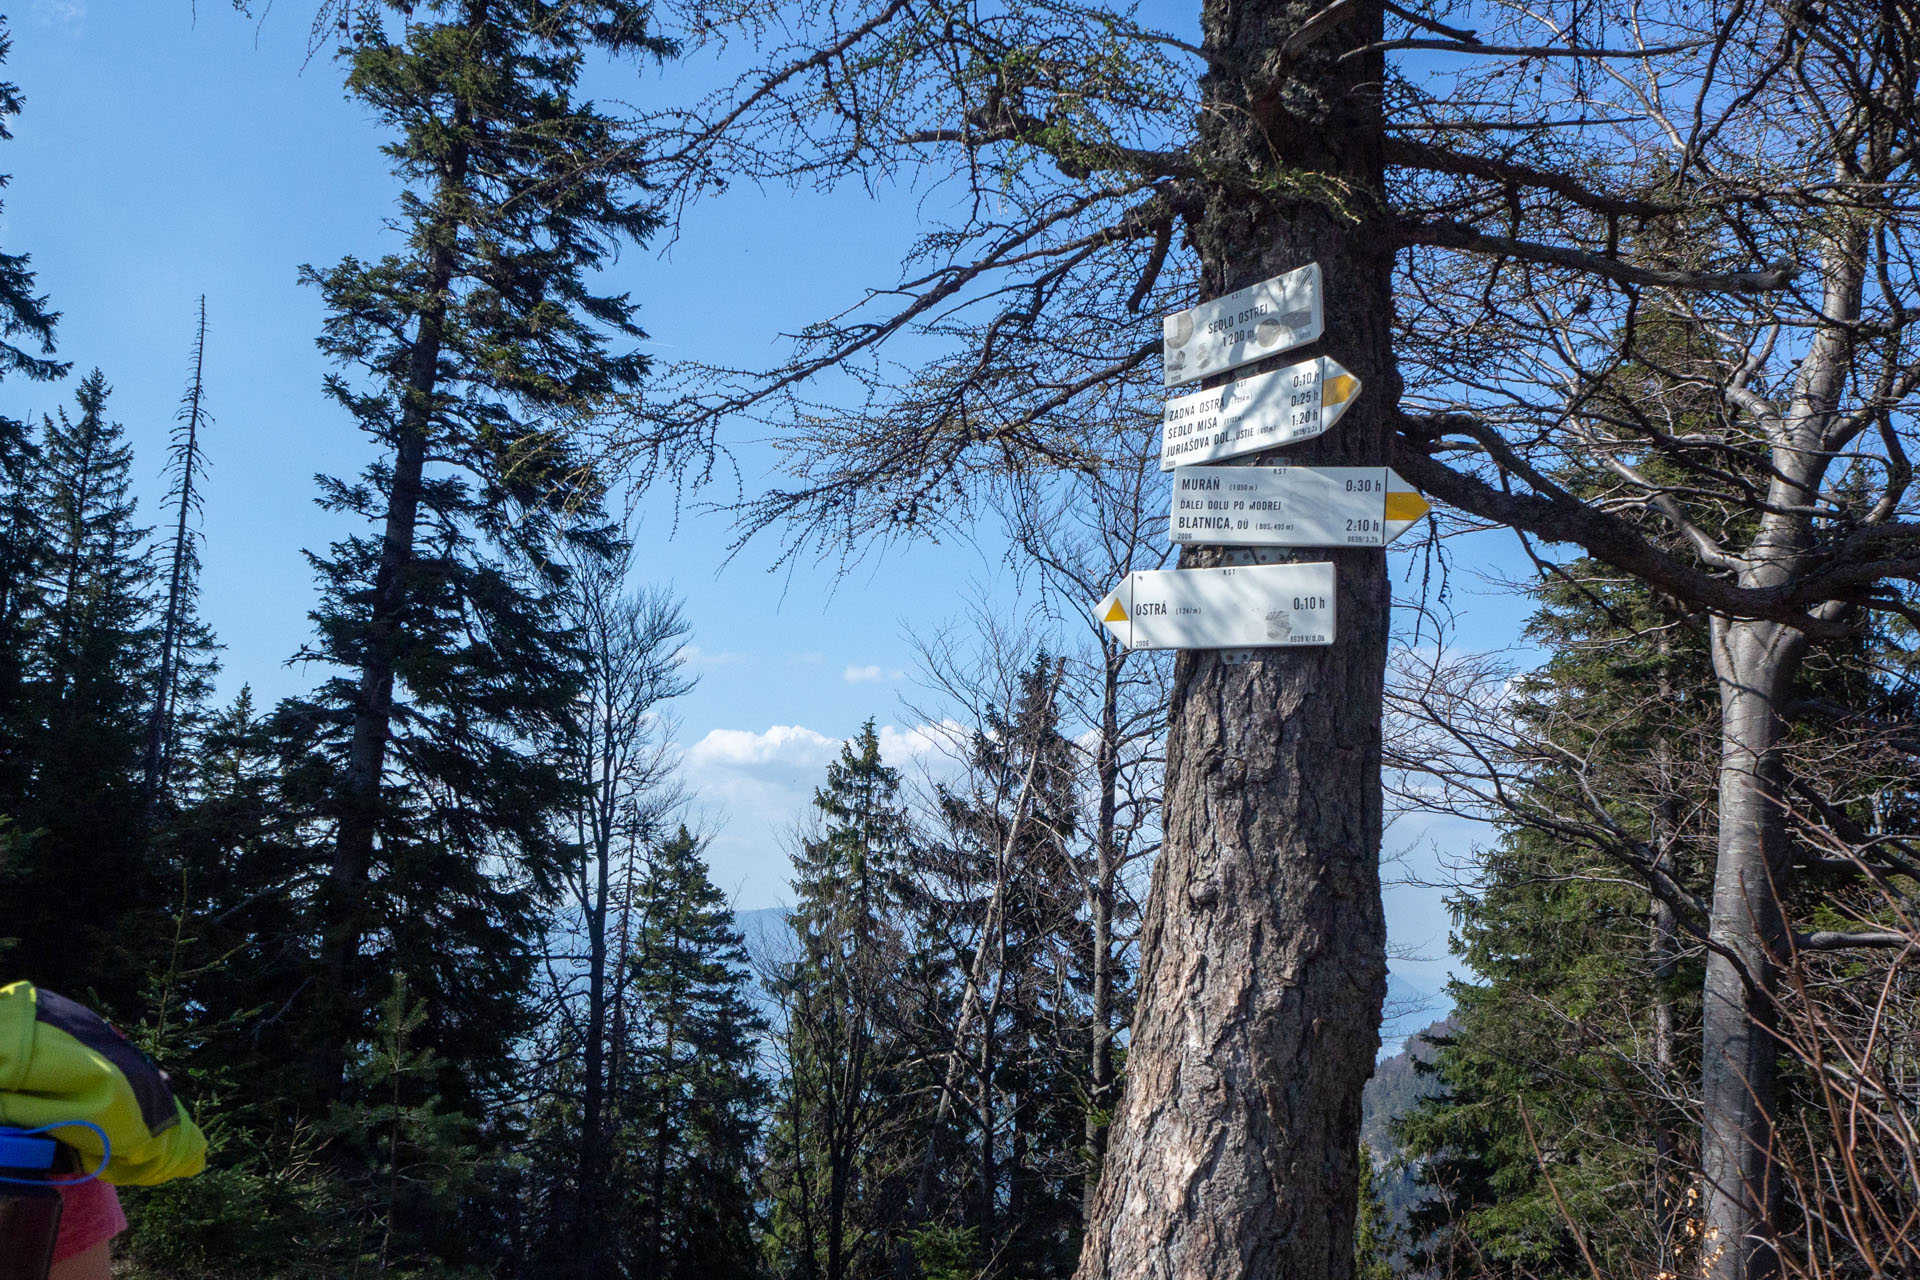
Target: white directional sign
(1292,506)
(1261,320)
(1266,411)
(1248,607)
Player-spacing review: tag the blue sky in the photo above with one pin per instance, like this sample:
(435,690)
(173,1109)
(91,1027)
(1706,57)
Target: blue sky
(164,154)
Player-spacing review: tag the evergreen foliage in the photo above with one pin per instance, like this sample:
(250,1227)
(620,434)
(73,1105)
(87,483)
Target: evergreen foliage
(81,726)
(1009,843)
(25,544)
(24,314)
(1577,967)
(1373,1242)
(434,753)
(690,1093)
(357,927)
(837,1168)
(1567,1076)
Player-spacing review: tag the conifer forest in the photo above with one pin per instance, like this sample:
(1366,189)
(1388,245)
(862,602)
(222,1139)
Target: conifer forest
(1086,977)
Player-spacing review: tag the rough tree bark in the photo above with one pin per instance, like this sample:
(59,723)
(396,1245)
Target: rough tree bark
(1234,1151)
(1665,822)
(591,1170)
(1105,884)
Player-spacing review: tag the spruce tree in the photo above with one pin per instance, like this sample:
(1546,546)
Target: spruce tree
(221,1013)
(88,875)
(691,1095)
(23,313)
(1562,1123)
(241,865)
(1373,1236)
(465,357)
(1009,855)
(1583,1022)
(838,1172)
(24,548)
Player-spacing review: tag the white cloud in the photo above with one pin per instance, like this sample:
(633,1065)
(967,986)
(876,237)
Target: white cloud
(758,786)
(872,673)
(71,14)
(781,744)
(694,656)
(794,746)
(899,745)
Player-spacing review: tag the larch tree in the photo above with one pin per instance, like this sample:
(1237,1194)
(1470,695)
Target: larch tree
(1496,213)
(1102,178)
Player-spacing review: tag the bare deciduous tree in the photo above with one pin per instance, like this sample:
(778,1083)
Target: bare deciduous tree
(1086,532)
(623,762)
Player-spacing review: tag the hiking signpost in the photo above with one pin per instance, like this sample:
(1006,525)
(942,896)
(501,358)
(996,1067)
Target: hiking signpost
(1259,321)
(1292,506)
(1266,411)
(1244,607)
(1254,606)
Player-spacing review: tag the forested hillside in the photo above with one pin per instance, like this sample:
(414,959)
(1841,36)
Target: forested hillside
(1085,977)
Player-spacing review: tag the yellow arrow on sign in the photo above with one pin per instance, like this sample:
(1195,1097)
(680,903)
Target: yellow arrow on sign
(1403,504)
(1340,388)
(1290,507)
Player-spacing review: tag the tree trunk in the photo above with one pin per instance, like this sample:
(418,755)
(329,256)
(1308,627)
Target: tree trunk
(1665,1194)
(160,721)
(1754,663)
(1666,1146)
(1105,880)
(662,1138)
(984,1216)
(1235,1149)
(591,1170)
(359,803)
(838,1180)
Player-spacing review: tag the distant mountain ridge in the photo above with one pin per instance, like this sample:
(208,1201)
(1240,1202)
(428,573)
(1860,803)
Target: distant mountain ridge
(769,939)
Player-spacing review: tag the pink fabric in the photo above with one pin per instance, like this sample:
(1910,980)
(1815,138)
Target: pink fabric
(89,1213)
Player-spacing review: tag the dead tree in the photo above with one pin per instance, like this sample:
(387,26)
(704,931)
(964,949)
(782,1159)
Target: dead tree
(183,639)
